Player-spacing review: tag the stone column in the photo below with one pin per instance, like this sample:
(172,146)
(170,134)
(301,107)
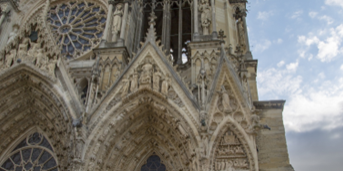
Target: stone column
(248,55)
(196,18)
(106,36)
(123,23)
(214,23)
(4,13)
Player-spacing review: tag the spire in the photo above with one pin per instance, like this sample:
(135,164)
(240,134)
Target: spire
(151,35)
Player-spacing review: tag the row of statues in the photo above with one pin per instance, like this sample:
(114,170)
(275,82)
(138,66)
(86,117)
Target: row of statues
(230,165)
(149,77)
(30,52)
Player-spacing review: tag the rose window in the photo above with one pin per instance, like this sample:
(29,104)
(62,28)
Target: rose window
(34,153)
(77,26)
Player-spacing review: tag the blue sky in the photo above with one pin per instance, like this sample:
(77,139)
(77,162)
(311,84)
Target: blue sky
(299,45)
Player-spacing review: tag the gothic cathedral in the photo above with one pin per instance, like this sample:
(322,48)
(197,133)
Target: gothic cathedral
(133,85)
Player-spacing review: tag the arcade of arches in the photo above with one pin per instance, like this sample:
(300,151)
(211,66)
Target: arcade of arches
(141,85)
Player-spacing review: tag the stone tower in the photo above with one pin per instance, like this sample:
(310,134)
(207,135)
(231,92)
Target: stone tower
(133,85)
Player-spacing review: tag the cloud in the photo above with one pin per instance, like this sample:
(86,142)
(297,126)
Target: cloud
(328,47)
(281,63)
(296,14)
(292,67)
(312,14)
(334,2)
(263,45)
(341,67)
(328,19)
(264,15)
(308,106)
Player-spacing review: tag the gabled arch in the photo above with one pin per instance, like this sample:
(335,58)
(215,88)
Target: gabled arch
(148,121)
(31,99)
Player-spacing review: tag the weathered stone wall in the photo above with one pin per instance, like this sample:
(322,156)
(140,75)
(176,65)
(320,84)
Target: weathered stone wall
(271,144)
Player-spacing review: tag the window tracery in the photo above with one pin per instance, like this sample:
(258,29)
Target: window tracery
(154,164)
(34,153)
(78,26)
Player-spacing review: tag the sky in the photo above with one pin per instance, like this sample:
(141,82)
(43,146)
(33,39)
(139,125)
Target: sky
(299,47)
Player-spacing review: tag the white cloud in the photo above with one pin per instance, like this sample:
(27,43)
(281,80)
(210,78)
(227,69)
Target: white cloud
(341,67)
(279,41)
(321,75)
(292,67)
(281,63)
(328,19)
(328,47)
(264,15)
(307,107)
(263,45)
(312,14)
(297,14)
(334,2)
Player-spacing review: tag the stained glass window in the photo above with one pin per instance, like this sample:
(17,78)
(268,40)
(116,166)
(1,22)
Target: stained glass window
(78,26)
(154,164)
(34,153)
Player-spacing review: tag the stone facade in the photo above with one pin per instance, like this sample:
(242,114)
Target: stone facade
(133,85)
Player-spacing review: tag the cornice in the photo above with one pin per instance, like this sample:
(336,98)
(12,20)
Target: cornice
(272,104)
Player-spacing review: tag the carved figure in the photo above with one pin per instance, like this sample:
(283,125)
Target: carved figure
(33,52)
(52,67)
(117,20)
(146,73)
(225,100)
(11,57)
(22,50)
(40,58)
(13,34)
(156,80)
(134,82)
(165,85)
(126,86)
(78,149)
(205,10)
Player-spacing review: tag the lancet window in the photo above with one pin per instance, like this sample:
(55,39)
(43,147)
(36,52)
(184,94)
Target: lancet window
(173,25)
(154,164)
(34,153)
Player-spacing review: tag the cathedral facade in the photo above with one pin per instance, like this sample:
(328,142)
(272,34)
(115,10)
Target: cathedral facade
(133,85)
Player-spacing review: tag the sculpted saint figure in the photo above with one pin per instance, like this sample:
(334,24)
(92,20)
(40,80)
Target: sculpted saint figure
(226,100)
(117,17)
(165,85)
(126,86)
(11,57)
(22,50)
(156,80)
(146,73)
(134,82)
(205,10)
(33,52)
(52,66)
(41,60)
(12,35)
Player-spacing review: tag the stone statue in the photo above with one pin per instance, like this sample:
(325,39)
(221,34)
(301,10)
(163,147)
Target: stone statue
(205,10)
(78,149)
(156,80)
(52,67)
(117,20)
(13,34)
(145,78)
(10,58)
(126,86)
(226,100)
(241,32)
(165,85)
(41,60)
(22,50)
(33,52)
(134,82)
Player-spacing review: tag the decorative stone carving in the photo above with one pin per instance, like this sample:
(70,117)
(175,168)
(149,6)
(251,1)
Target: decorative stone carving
(224,103)
(10,58)
(22,50)
(165,85)
(126,86)
(147,69)
(134,81)
(156,80)
(117,21)
(206,16)
(52,66)
(241,32)
(13,34)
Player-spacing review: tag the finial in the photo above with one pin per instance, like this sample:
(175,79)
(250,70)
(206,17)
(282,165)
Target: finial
(152,19)
(221,34)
